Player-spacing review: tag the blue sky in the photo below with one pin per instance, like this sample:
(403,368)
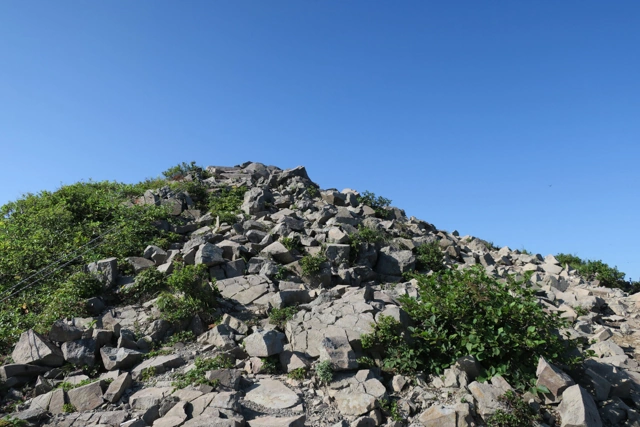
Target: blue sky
(517,122)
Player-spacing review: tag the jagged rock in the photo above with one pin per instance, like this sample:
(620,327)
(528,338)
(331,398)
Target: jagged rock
(278,252)
(295,421)
(118,387)
(20,373)
(578,409)
(395,263)
(62,332)
(80,352)
(155,254)
(272,394)
(244,290)
(264,343)
(228,379)
(486,395)
(119,358)
(255,200)
(87,397)
(35,349)
(338,351)
(139,264)
(552,378)
(153,402)
(175,417)
(220,335)
(105,270)
(209,255)
(158,365)
(447,416)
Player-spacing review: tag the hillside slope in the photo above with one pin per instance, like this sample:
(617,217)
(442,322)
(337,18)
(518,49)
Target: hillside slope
(247,295)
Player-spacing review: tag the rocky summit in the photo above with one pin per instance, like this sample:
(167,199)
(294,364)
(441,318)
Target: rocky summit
(311,307)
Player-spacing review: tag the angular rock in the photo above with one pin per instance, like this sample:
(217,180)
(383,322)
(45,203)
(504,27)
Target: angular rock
(271,421)
(62,332)
(105,270)
(278,252)
(209,255)
(272,394)
(119,358)
(221,336)
(395,263)
(139,264)
(87,397)
(338,351)
(80,352)
(578,409)
(35,349)
(264,343)
(552,378)
(159,365)
(118,387)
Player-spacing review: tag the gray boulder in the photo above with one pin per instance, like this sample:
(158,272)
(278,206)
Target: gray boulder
(35,349)
(578,409)
(395,263)
(62,332)
(119,358)
(105,270)
(209,255)
(80,352)
(264,343)
(278,252)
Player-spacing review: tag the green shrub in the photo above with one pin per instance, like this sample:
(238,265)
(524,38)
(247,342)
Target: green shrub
(378,204)
(518,413)
(280,316)
(12,422)
(147,285)
(324,371)
(311,264)
(366,235)
(68,408)
(608,276)
(292,243)
(47,230)
(181,170)
(196,376)
(226,203)
(182,336)
(270,365)
(298,374)
(429,257)
(460,313)
(390,409)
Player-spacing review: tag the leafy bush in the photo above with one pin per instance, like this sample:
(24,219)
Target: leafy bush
(182,336)
(608,276)
(324,371)
(430,257)
(292,243)
(280,316)
(378,204)
(270,365)
(68,408)
(47,230)
(390,409)
(311,264)
(181,170)
(366,235)
(12,422)
(517,414)
(460,313)
(298,374)
(226,203)
(147,285)
(196,376)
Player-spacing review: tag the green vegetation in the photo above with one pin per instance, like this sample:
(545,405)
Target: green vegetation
(270,365)
(280,316)
(429,257)
(68,408)
(608,276)
(324,371)
(292,243)
(146,286)
(460,313)
(67,229)
(313,191)
(196,376)
(311,264)
(378,204)
(182,336)
(183,169)
(390,409)
(366,235)
(12,422)
(517,414)
(298,374)
(147,373)
(226,203)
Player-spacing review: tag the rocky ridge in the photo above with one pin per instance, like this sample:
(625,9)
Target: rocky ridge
(255,273)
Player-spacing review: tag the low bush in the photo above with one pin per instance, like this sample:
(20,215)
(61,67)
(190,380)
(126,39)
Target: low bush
(226,203)
(377,203)
(366,235)
(460,313)
(429,257)
(324,371)
(196,376)
(280,316)
(311,264)
(609,277)
(518,413)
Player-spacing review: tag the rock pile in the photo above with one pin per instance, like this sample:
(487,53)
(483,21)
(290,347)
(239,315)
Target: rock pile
(255,272)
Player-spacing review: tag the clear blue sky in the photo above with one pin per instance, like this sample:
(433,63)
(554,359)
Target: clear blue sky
(517,122)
